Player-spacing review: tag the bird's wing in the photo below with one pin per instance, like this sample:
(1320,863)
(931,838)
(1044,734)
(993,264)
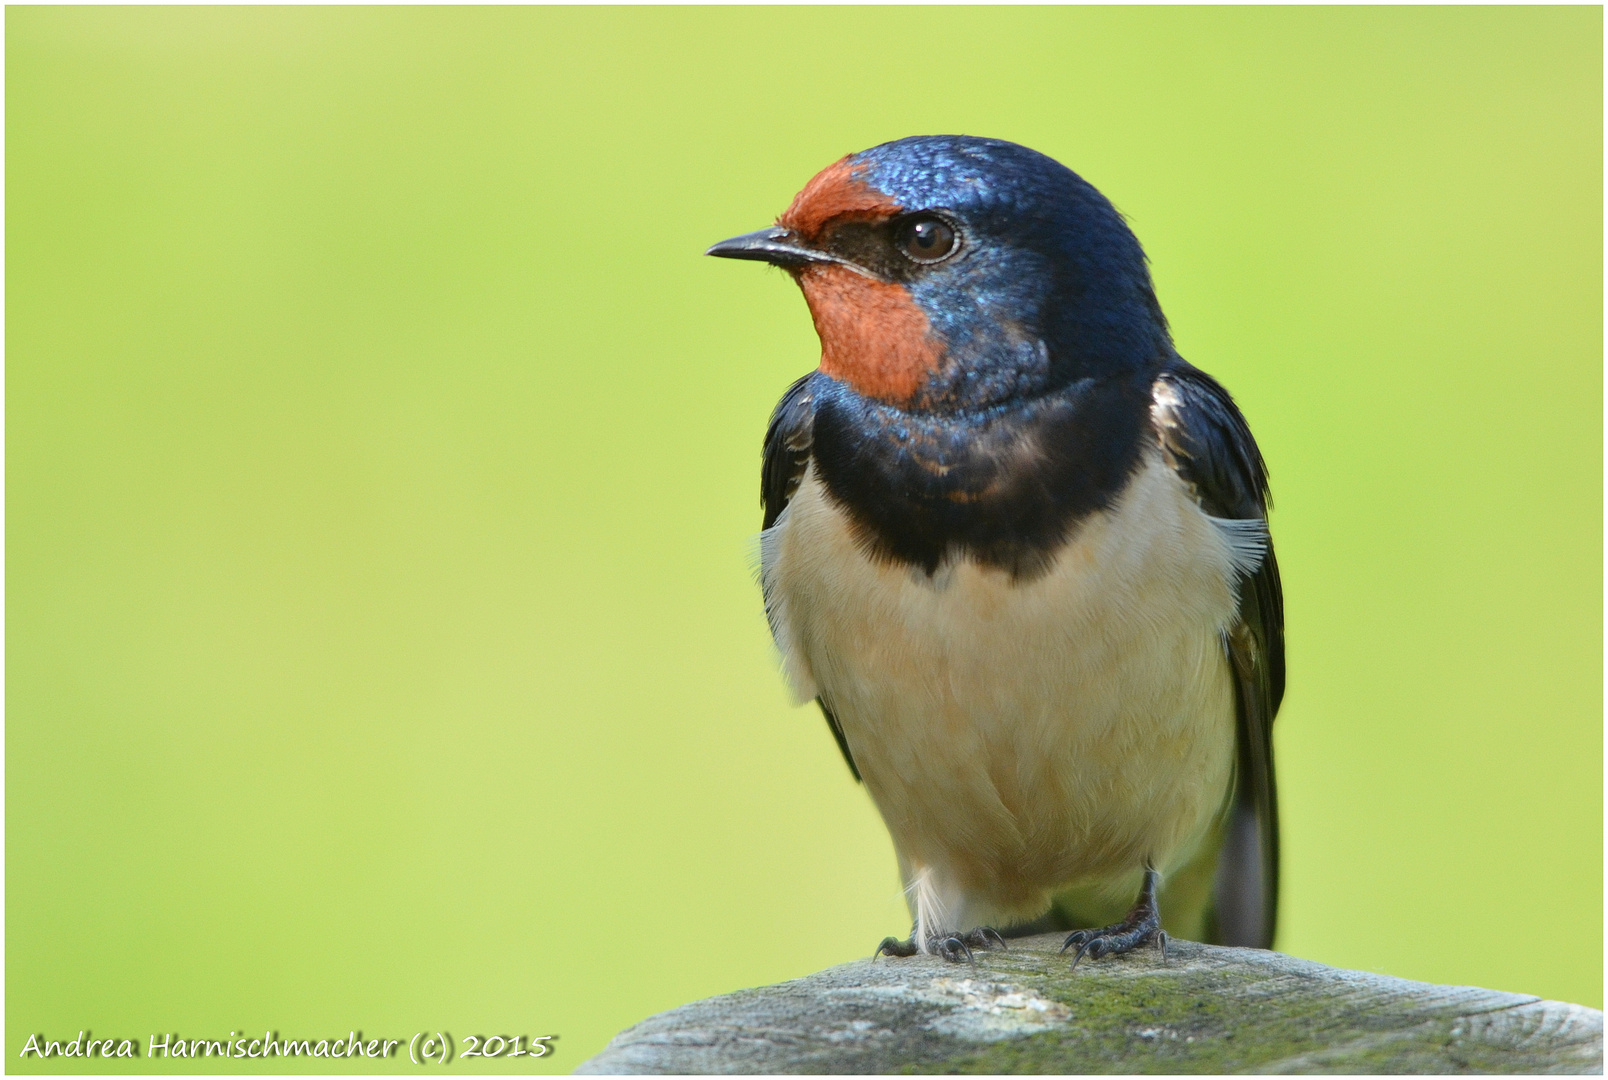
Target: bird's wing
(1204,437)
(788,443)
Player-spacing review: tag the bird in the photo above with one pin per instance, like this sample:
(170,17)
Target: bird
(1016,548)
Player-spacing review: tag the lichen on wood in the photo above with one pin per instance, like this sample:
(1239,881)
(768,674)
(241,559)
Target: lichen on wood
(1203,1009)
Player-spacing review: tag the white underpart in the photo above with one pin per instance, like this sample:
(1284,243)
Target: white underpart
(1020,737)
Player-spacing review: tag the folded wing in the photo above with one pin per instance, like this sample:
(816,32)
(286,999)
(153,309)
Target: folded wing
(1204,438)
(788,441)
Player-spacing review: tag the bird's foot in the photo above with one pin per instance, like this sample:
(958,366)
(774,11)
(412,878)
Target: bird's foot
(1117,938)
(952,947)
(1141,926)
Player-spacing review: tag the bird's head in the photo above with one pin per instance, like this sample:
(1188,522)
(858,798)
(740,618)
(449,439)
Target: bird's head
(951,272)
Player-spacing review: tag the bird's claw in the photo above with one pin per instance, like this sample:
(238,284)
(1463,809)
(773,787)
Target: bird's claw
(892,946)
(952,947)
(986,937)
(1141,927)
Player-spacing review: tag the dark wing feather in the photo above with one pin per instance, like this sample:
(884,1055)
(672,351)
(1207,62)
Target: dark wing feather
(1204,438)
(788,442)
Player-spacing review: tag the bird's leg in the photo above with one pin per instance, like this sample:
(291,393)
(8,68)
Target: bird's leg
(952,947)
(1140,926)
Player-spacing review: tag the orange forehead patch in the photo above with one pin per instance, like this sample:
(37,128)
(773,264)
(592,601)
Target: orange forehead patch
(834,193)
(873,334)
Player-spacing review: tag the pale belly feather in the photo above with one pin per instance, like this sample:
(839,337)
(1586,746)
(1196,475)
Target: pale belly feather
(1021,737)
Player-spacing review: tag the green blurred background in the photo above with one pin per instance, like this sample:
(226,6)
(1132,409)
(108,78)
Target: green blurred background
(382,455)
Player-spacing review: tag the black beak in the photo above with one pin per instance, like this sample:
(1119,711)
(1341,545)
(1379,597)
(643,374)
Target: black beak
(775,245)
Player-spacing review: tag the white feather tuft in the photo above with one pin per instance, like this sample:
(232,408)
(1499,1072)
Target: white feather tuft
(927,905)
(1246,540)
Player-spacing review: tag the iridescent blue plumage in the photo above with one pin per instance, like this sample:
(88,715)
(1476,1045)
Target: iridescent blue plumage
(1049,260)
(986,402)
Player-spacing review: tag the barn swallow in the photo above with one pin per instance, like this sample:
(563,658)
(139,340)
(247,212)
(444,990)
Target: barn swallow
(1016,548)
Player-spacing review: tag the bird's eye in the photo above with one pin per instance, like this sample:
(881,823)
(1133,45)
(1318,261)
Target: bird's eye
(926,239)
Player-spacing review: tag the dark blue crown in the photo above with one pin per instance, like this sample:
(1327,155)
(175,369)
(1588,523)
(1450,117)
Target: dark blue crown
(1048,258)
